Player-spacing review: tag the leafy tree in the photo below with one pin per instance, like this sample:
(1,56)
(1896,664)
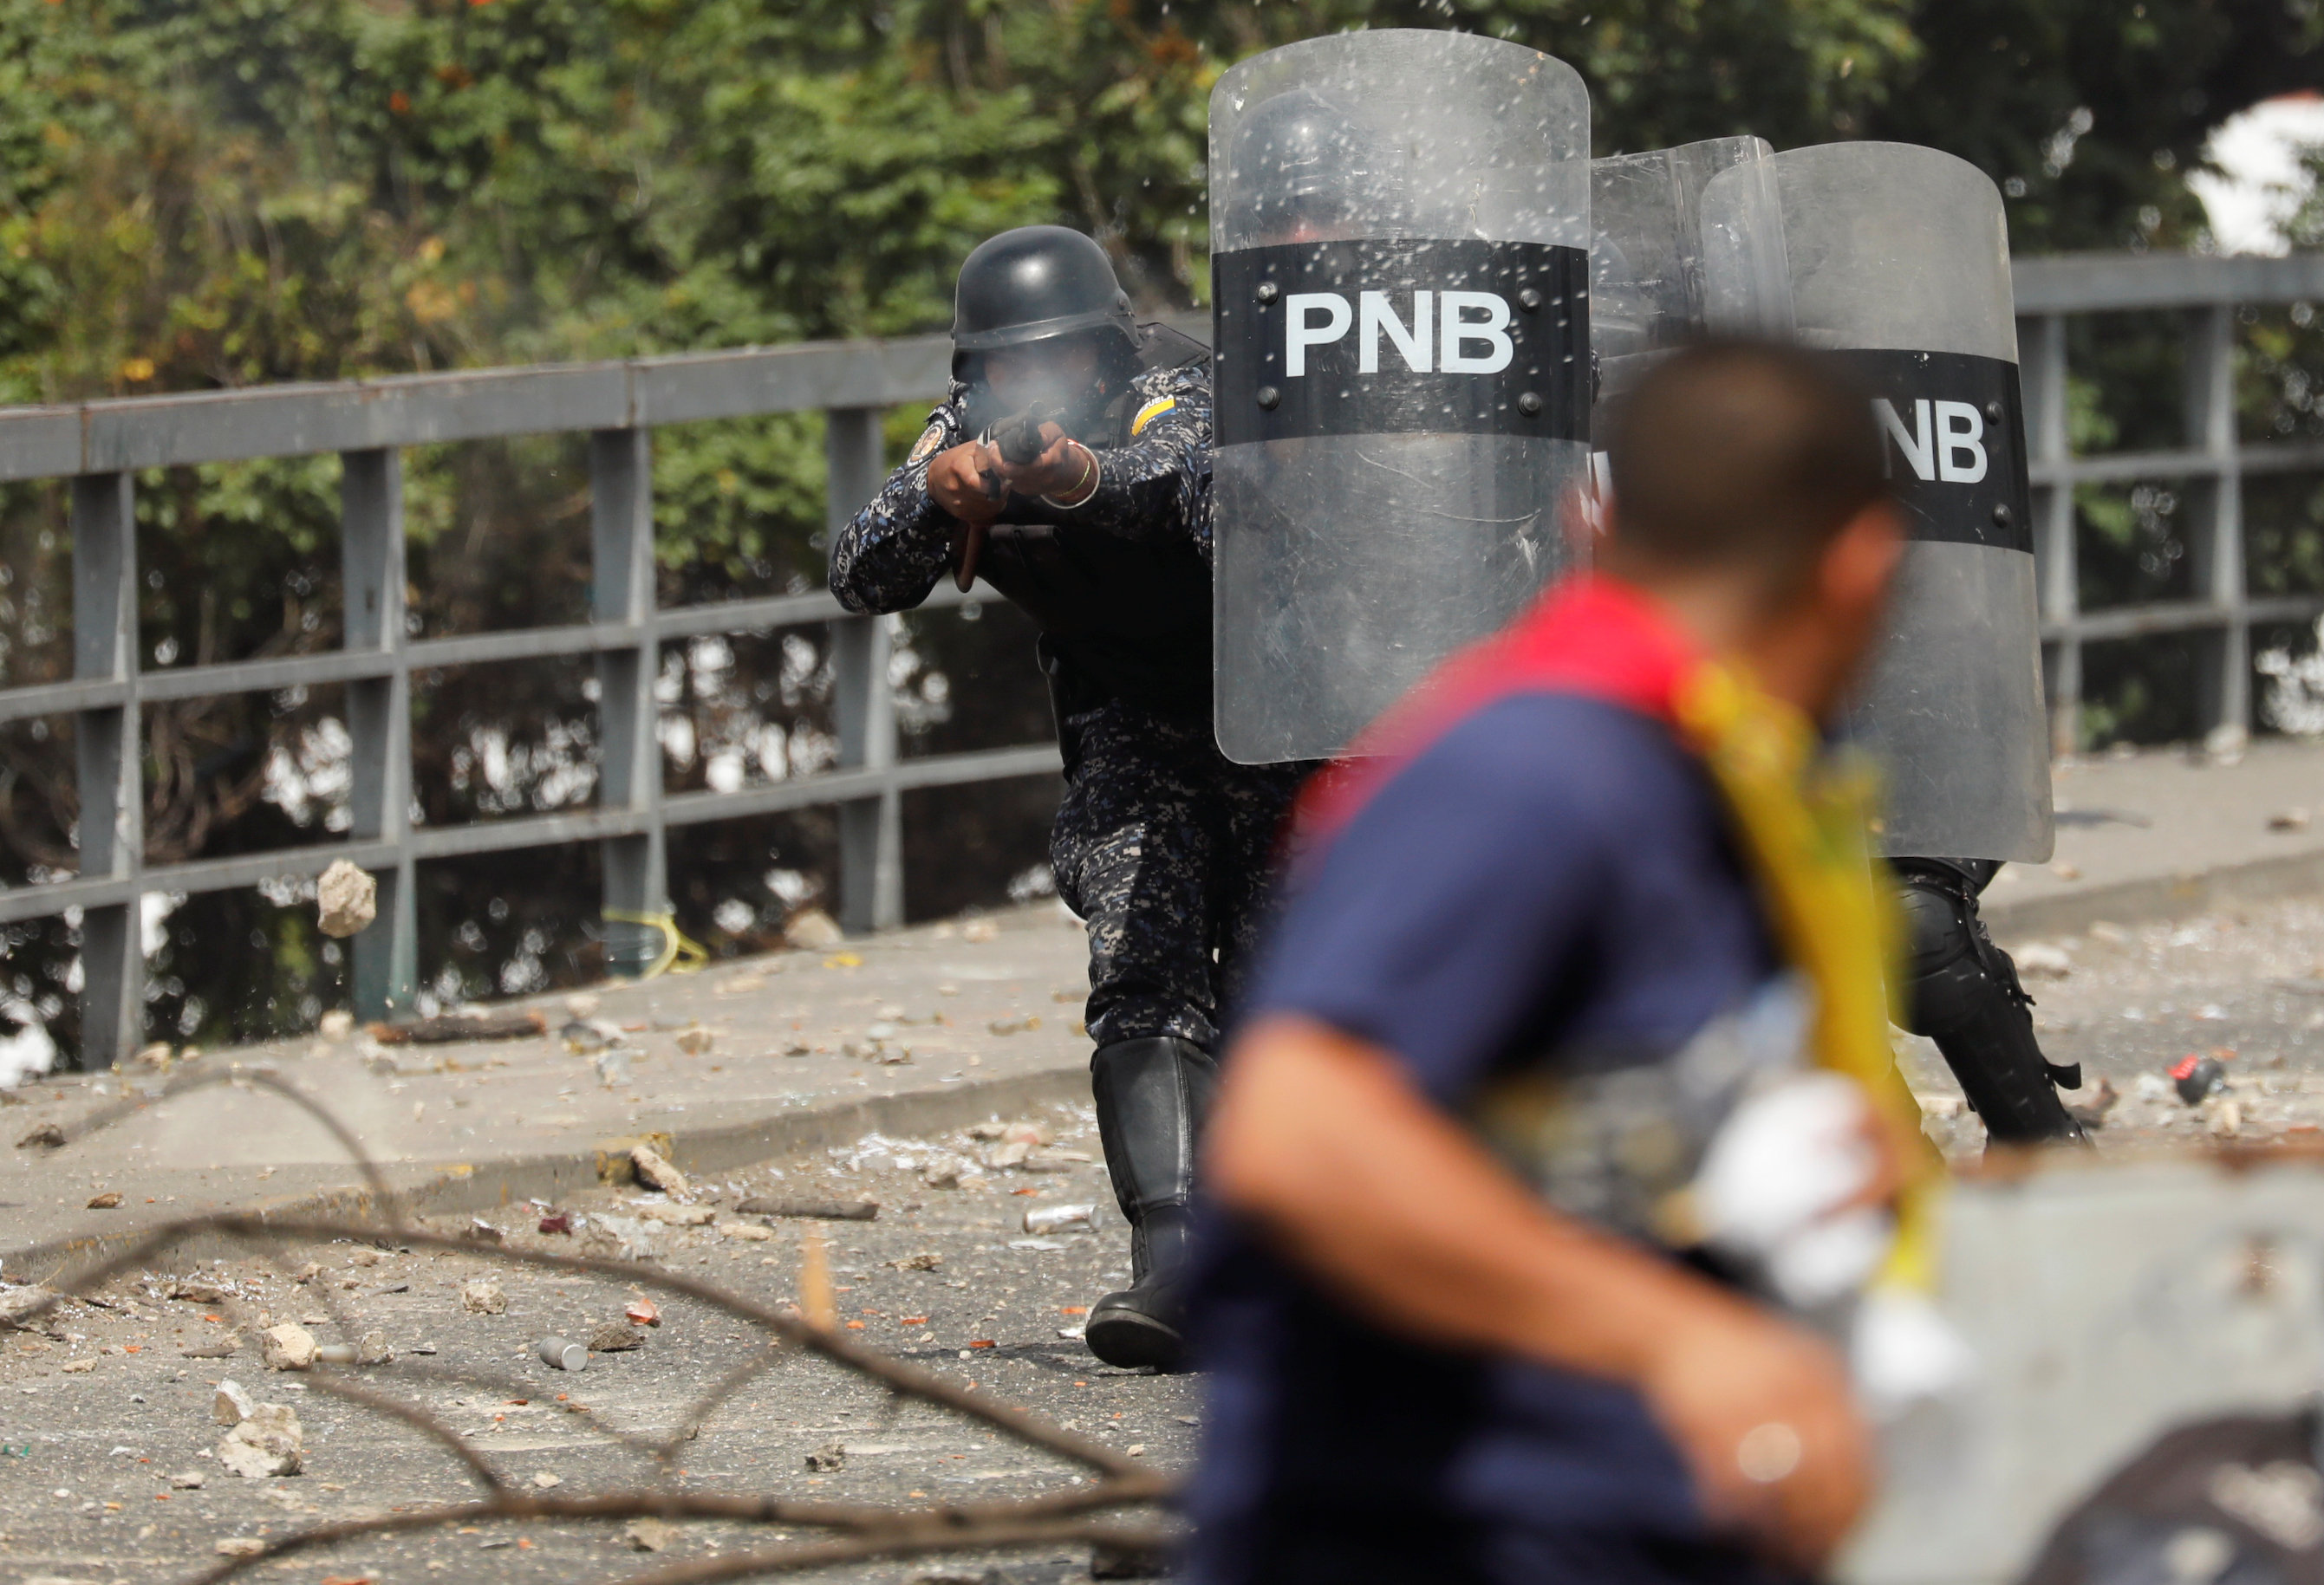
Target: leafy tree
(199,194)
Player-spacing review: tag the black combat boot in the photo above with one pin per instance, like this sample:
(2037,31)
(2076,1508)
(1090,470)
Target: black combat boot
(1151,1095)
(1962,992)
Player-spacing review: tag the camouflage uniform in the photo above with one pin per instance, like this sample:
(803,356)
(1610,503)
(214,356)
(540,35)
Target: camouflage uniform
(1161,844)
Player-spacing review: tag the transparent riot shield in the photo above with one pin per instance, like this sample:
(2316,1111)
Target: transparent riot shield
(1399,235)
(1654,261)
(1898,259)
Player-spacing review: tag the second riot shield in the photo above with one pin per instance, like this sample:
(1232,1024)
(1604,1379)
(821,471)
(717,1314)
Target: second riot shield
(1898,259)
(1659,276)
(1399,237)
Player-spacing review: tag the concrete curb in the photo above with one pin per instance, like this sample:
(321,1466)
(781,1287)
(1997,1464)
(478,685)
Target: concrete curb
(2158,896)
(455,1188)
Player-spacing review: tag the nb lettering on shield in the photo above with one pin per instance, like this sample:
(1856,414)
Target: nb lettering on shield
(1952,449)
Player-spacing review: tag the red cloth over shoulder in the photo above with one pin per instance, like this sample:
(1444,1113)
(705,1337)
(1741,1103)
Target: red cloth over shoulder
(1590,635)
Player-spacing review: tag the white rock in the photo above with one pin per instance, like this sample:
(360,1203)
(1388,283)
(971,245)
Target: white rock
(335,1025)
(655,1171)
(233,1405)
(271,1441)
(813,930)
(748,1231)
(289,1347)
(346,899)
(482,1297)
(680,1215)
(2039,959)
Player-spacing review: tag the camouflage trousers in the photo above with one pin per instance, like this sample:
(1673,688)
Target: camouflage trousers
(1162,846)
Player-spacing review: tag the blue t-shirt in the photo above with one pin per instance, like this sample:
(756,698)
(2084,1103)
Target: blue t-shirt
(1549,888)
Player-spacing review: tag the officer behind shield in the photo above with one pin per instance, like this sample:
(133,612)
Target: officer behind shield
(1100,532)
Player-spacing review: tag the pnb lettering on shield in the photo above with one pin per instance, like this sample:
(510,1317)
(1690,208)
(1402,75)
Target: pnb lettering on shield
(1472,330)
(1952,450)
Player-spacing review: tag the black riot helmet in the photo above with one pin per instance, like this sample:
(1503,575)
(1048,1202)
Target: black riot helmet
(1306,158)
(1032,284)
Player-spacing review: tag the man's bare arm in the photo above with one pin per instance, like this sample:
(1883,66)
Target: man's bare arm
(1320,1141)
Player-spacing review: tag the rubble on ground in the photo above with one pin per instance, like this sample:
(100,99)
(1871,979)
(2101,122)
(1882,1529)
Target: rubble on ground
(346,899)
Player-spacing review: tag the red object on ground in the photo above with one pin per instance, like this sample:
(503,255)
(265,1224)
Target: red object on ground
(642,1312)
(557,1222)
(2185,1065)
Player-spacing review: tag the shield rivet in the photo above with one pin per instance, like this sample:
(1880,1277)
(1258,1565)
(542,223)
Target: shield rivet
(1268,291)
(1529,404)
(1529,300)
(1993,412)
(2001,517)
(1269,397)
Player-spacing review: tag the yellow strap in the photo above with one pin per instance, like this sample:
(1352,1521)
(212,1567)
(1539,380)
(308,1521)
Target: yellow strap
(1805,819)
(680,954)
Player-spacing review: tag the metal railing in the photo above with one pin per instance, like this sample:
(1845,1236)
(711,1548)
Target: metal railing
(98,445)
(2207,292)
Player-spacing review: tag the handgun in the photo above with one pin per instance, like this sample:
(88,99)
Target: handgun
(1018,438)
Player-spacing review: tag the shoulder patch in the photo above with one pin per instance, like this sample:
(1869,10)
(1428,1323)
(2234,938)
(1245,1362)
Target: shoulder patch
(930,438)
(1151,412)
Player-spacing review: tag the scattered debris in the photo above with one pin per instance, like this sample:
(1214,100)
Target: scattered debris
(695,1041)
(2092,1111)
(612,1066)
(47,1136)
(288,1345)
(2288,820)
(924,1261)
(812,930)
(615,1337)
(108,1201)
(481,1232)
(346,899)
(2039,959)
(621,1238)
(950,1173)
(655,1171)
(269,1442)
(544,1479)
(560,1354)
(749,1233)
(2196,1077)
(1052,1160)
(335,1025)
(557,1222)
(2226,1119)
(445,1030)
(648,1535)
(189,1480)
(1049,1219)
(830,1457)
(643,1313)
(680,1215)
(815,1209)
(1015,1026)
(225,1348)
(482,1297)
(78,1367)
(238,1547)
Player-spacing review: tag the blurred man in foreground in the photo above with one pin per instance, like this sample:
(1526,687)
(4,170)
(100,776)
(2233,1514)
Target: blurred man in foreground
(1564,1091)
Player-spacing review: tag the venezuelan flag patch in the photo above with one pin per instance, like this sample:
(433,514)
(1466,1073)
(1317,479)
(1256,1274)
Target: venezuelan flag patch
(1151,412)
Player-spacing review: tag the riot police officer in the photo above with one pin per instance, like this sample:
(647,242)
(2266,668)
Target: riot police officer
(1070,468)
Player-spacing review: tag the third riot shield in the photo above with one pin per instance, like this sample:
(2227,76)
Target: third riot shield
(1659,276)
(1899,261)
(1399,237)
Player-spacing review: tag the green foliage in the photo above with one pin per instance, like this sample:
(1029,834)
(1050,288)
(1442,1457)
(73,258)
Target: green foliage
(204,194)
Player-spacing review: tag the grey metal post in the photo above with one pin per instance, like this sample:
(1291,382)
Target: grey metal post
(871,830)
(379,722)
(2042,352)
(2215,526)
(621,518)
(112,828)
